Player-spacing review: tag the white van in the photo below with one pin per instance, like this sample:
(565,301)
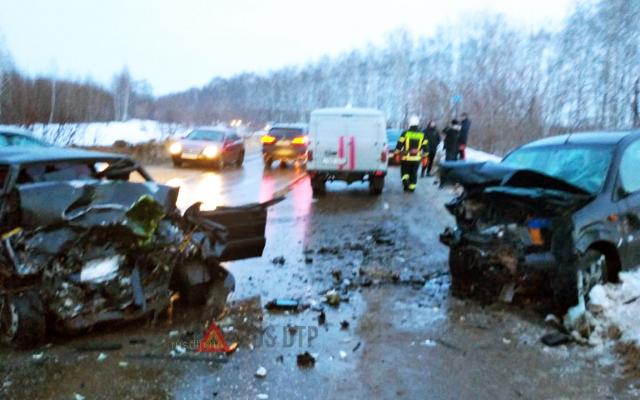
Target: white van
(347,144)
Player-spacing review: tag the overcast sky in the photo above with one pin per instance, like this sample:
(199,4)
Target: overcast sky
(178,44)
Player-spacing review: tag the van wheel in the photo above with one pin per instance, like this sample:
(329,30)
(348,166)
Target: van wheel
(376,184)
(22,320)
(318,186)
(267,162)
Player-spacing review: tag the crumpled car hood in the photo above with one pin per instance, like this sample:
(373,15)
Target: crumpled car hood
(507,180)
(52,203)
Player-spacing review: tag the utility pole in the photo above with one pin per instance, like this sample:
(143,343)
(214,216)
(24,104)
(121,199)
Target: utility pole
(53,100)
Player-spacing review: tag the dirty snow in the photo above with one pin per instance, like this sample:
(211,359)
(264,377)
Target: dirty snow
(134,131)
(616,306)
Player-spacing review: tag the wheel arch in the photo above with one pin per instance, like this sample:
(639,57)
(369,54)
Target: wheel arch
(612,257)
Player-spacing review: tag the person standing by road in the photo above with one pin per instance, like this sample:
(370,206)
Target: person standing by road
(433,138)
(451,137)
(465,124)
(411,148)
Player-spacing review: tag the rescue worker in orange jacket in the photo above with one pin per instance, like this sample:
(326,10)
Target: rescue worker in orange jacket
(411,148)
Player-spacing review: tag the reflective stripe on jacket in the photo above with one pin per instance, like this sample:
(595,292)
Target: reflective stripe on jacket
(412,145)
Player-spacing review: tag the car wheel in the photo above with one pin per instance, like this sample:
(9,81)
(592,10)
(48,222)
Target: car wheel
(571,286)
(240,160)
(283,164)
(318,186)
(22,320)
(376,184)
(267,162)
(461,273)
(177,162)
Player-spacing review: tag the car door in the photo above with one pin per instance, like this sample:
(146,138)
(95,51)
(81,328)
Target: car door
(629,189)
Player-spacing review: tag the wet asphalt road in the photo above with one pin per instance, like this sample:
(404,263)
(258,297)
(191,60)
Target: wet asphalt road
(397,333)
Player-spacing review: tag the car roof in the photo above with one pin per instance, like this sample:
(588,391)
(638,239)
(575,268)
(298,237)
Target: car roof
(347,110)
(28,155)
(596,137)
(214,129)
(298,125)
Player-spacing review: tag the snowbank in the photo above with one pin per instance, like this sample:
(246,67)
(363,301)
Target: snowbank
(480,156)
(615,310)
(106,133)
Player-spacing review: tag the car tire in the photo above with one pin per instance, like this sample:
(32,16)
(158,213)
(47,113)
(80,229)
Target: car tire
(268,162)
(376,184)
(461,279)
(318,186)
(177,162)
(571,284)
(240,160)
(23,322)
(283,164)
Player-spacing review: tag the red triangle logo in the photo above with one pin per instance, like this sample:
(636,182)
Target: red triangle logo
(213,341)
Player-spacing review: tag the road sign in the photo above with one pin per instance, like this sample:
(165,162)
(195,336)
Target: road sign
(213,342)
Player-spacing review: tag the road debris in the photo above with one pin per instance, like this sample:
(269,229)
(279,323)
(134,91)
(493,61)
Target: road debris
(344,325)
(283,305)
(556,339)
(280,260)
(322,318)
(332,297)
(356,347)
(101,357)
(261,372)
(343,354)
(306,360)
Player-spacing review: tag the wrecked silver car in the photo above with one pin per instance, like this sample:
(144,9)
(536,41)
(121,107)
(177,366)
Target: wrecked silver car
(555,217)
(89,238)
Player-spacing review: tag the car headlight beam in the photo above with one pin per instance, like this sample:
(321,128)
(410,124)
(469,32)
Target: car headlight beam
(210,151)
(175,148)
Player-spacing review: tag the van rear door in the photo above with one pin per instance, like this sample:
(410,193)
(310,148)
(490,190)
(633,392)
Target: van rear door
(366,141)
(330,147)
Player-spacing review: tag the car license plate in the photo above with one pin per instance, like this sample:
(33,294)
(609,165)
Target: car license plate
(190,156)
(283,142)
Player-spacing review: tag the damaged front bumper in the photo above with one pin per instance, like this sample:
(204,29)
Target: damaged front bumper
(110,251)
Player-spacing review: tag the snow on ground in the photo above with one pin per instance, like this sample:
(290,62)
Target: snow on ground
(480,156)
(106,133)
(615,309)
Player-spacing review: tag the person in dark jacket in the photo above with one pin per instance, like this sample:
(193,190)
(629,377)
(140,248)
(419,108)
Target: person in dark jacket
(451,137)
(433,136)
(465,124)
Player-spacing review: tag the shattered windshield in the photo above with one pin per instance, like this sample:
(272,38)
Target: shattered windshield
(213,136)
(582,166)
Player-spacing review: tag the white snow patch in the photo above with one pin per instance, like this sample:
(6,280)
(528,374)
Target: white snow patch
(106,133)
(616,306)
(474,155)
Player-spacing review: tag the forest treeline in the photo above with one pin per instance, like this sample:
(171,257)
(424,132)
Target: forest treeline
(516,84)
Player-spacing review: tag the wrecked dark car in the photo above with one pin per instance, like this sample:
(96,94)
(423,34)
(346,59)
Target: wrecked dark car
(89,238)
(557,215)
